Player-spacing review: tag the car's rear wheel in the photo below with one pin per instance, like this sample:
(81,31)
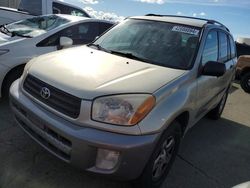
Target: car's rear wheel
(217,111)
(245,82)
(162,158)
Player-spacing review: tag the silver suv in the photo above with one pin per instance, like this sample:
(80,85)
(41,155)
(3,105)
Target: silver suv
(120,106)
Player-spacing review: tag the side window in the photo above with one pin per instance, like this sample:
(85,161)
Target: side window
(210,52)
(77,12)
(103,27)
(57,8)
(33,7)
(50,41)
(54,39)
(223,43)
(64,9)
(83,33)
(233,48)
(80,34)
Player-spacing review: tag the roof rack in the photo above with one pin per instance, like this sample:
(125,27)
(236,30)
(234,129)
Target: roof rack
(207,20)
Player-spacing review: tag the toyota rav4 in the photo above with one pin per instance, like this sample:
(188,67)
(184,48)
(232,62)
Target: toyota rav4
(121,105)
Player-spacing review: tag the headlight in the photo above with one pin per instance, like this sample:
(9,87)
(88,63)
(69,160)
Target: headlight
(122,109)
(3,52)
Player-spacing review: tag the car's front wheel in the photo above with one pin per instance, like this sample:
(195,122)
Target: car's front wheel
(13,75)
(245,82)
(162,158)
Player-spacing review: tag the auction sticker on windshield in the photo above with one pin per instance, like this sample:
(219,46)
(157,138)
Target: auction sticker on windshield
(187,30)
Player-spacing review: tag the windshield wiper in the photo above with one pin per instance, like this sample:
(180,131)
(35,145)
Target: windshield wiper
(19,35)
(98,47)
(129,55)
(4,29)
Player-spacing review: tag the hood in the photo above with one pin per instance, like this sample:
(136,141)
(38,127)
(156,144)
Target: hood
(88,73)
(6,38)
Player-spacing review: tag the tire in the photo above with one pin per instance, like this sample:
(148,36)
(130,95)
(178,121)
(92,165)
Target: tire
(10,78)
(245,82)
(159,164)
(215,113)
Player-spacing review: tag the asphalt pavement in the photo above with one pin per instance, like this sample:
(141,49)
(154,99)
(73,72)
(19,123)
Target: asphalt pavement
(213,154)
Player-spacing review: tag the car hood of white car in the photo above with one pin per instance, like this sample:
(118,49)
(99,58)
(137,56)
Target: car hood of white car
(88,73)
(6,38)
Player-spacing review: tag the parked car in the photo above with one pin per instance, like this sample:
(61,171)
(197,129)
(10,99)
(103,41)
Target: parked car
(120,106)
(243,72)
(243,185)
(28,9)
(23,40)
(243,46)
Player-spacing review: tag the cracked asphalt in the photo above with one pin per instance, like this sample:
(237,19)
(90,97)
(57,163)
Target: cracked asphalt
(213,154)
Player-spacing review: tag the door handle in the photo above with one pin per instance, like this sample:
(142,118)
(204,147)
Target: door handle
(231,66)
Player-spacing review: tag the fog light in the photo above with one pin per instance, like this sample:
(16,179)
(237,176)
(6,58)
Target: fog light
(106,159)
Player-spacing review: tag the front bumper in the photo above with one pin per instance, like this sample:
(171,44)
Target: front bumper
(78,145)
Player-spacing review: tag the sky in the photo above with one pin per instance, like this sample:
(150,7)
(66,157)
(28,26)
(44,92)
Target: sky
(235,14)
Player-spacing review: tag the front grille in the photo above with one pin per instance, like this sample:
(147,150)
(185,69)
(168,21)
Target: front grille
(53,147)
(55,142)
(59,100)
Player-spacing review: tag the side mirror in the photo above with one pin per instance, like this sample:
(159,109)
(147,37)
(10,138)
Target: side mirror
(214,68)
(66,42)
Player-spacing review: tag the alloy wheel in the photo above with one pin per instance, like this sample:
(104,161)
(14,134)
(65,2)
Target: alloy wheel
(162,160)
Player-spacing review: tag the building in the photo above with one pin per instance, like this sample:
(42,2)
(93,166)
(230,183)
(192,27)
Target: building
(9,3)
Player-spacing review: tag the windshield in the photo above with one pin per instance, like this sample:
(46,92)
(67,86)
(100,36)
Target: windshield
(34,27)
(160,43)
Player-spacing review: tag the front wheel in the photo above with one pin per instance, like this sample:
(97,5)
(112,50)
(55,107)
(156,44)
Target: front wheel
(10,78)
(162,158)
(245,82)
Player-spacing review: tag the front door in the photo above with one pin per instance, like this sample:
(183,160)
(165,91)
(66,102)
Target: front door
(208,86)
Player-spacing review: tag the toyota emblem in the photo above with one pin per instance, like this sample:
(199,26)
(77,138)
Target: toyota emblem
(45,93)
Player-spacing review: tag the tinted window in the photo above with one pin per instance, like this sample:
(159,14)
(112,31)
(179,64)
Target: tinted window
(80,34)
(33,7)
(103,27)
(64,9)
(233,49)
(50,41)
(210,52)
(223,47)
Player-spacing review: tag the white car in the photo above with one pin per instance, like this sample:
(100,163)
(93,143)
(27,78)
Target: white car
(23,40)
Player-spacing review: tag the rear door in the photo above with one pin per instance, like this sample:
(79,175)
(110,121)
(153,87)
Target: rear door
(225,57)
(211,88)
(208,86)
